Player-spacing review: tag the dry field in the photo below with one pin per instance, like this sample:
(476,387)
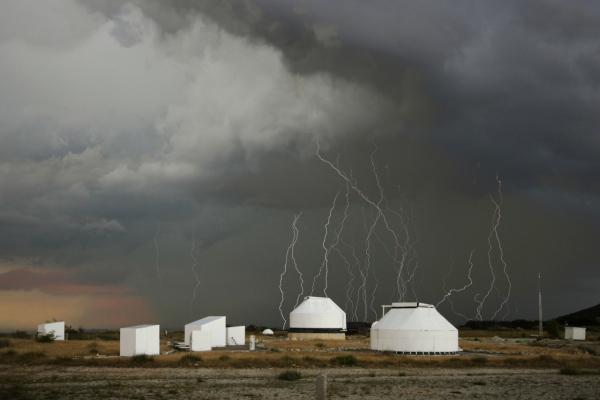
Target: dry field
(489,367)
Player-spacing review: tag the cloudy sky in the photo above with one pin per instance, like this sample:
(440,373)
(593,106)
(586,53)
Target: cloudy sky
(162,161)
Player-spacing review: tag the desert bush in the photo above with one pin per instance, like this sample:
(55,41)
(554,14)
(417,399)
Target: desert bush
(480,360)
(45,337)
(319,345)
(570,371)
(31,355)
(348,360)
(224,357)
(21,335)
(553,328)
(142,359)
(190,359)
(5,343)
(290,375)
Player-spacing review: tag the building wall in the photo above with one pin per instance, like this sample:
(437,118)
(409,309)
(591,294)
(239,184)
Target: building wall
(141,339)
(57,327)
(215,325)
(573,333)
(236,335)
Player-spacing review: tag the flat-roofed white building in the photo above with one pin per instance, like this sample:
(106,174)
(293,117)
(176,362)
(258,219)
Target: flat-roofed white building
(214,324)
(140,339)
(58,328)
(236,335)
(573,333)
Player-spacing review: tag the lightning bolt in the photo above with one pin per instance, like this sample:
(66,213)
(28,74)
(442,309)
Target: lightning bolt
(327,249)
(289,254)
(447,295)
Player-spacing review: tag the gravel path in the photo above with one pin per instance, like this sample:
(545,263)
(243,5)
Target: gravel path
(51,382)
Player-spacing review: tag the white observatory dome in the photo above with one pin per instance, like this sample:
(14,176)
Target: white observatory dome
(317,314)
(414,328)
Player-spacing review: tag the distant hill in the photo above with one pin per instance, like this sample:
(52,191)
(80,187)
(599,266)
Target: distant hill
(589,316)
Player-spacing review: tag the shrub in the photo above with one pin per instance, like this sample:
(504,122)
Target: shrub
(224,357)
(290,375)
(347,359)
(21,335)
(45,337)
(479,360)
(570,371)
(190,359)
(141,359)
(552,328)
(5,343)
(319,345)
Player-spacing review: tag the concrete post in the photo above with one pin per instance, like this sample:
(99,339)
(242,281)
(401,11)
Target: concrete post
(322,386)
(252,342)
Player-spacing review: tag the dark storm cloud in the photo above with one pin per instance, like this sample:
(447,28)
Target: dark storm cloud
(137,132)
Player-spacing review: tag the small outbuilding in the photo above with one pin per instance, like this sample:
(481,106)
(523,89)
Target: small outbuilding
(317,318)
(200,341)
(236,336)
(573,333)
(140,339)
(58,328)
(414,328)
(267,332)
(214,324)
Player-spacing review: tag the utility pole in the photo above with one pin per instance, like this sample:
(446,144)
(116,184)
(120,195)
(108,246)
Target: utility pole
(540,302)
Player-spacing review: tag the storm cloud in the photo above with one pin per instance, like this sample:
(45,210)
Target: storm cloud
(164,148)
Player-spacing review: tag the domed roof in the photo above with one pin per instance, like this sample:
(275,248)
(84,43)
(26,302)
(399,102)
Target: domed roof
(318,312)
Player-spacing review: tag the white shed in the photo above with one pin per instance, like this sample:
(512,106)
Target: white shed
(58,328)
(573,333)
(216,326)
(317,318)
(140,339)
(200,341)
(236,335)
(414,328)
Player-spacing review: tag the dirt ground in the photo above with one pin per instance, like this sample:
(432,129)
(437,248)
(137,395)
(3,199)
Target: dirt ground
(56,382)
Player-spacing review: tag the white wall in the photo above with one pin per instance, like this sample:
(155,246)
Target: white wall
(57,327)
(574,333)
(236,335)
(216,325)
(200,341)
(140,339)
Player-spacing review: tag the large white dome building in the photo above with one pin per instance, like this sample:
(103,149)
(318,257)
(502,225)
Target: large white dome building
(414,328)
(317,318)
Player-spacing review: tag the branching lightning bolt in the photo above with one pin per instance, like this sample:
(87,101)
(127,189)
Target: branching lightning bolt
(289,254)
(447,295)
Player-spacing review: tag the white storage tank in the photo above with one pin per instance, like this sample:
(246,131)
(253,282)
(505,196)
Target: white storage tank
(414,328)
(317,318)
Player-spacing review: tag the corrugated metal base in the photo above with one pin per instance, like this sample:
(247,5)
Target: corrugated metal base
(316,335)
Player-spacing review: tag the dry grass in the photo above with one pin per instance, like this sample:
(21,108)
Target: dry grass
(307,354)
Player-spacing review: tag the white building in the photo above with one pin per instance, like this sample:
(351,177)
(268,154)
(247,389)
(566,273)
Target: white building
(236,335)
(317,318)
(573,333)
(140,339)
(214,325)
(58,328)
(414,328)
(200,341)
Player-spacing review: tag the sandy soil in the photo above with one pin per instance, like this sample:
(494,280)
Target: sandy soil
(51,382)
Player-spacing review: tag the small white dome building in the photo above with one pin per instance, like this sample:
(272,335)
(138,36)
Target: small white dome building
(414,328)
(317,318)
